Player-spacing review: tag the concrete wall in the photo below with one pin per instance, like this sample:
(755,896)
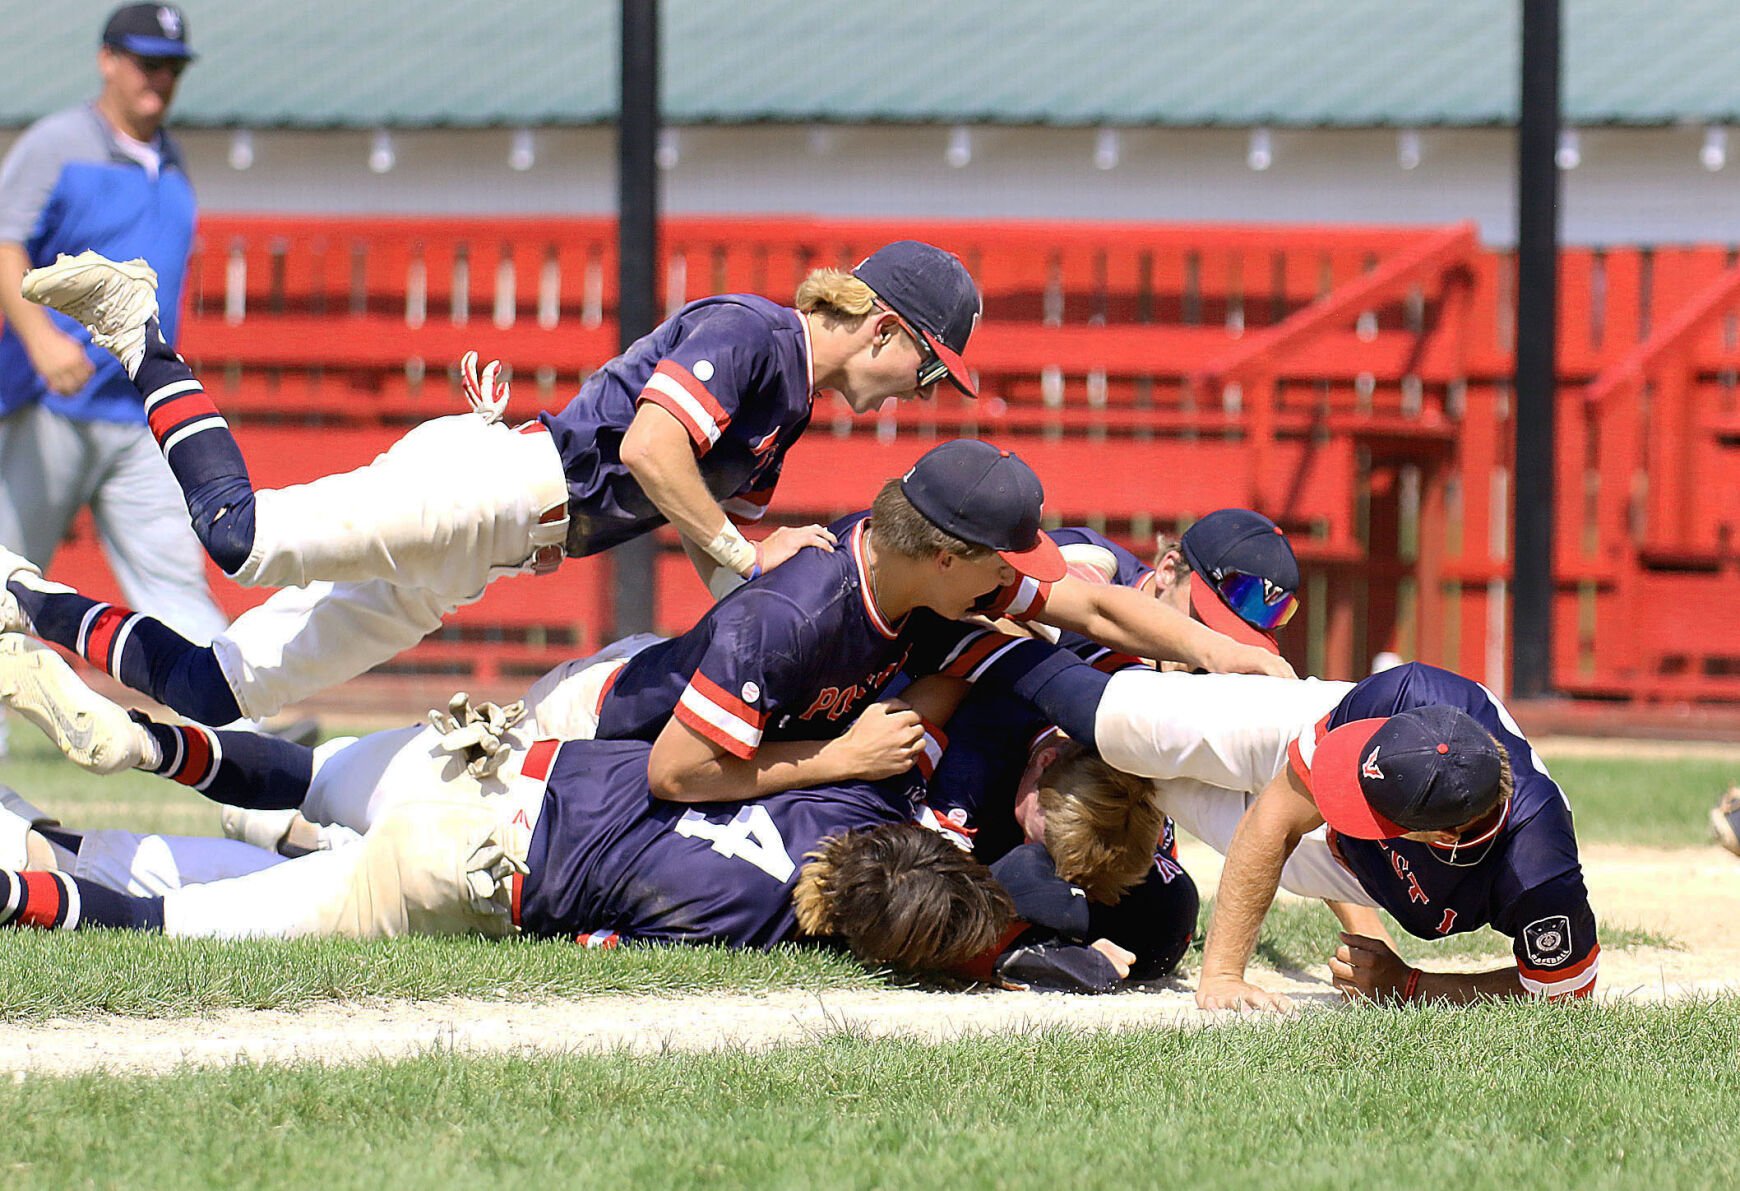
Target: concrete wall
(1632,186)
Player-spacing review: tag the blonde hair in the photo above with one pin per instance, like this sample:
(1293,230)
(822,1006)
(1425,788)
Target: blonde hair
(836,295)
(1101,824)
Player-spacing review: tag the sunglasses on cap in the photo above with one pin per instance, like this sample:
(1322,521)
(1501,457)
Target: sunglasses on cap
(931,367)
(1257,601)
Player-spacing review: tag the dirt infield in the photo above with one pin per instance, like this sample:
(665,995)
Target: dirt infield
(1691,895)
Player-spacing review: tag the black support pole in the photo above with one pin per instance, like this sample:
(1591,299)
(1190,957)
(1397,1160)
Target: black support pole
(637,134)
(1537,294)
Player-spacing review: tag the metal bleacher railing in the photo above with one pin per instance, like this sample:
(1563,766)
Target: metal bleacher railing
(1350,382)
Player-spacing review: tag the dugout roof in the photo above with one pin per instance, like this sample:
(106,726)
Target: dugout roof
(1178,63)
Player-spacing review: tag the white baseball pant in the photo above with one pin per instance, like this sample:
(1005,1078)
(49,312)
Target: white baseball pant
(371,560)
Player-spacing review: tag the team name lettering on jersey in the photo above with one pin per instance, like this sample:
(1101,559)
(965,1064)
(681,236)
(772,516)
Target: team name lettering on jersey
(836,702)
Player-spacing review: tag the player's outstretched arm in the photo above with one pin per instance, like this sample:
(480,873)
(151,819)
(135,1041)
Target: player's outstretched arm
(659,454)
(1265,838)
(1133,622)
(1368,969)
(684,766)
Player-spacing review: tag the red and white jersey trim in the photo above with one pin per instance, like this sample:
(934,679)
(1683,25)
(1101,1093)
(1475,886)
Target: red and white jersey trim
(935,742)
(1022,600)
(976,653)
(746,508)
(809,355)
(958,834)
(1555,984)
(861,560)
(721,717)
(675,389)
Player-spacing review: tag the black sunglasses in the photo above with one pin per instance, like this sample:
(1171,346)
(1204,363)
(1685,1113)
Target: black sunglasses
(931,367)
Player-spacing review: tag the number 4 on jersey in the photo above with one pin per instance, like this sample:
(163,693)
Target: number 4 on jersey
(750,835)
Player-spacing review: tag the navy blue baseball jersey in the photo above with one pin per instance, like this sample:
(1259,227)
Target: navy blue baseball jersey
(609,858)
(1526,883)
(793,655)
(984,750)
(735,370)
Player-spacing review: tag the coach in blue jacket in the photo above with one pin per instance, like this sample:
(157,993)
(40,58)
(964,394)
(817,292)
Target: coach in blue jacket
(101,175)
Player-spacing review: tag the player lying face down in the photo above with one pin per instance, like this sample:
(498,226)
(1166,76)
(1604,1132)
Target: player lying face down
(594,864)
(689,427)
(481,828)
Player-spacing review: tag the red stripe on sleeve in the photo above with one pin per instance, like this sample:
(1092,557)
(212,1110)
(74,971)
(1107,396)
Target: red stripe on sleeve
(692,720)
(44,901)
(196,757)
(1559,975)
(727,702)
(975,653)
(176,410)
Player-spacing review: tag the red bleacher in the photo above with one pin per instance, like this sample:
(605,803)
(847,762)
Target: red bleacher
(1352,383)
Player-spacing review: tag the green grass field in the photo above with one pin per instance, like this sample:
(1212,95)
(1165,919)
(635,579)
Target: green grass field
(1588,1096)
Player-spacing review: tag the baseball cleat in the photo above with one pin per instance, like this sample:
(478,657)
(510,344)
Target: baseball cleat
(12,619)
(1725,820)
(114,299)
(90,731)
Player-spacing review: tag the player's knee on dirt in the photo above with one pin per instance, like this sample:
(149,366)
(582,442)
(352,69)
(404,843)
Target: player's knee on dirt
(223,518)
(433,868)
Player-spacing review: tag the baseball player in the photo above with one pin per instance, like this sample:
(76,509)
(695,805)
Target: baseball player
(1486,841)
(357,786)
(689,426)
(750,698)
(578,849)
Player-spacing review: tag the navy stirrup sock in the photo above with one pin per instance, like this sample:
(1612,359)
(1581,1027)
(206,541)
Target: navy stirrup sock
(245,769)
(201,451)
(139,651)
(60,901)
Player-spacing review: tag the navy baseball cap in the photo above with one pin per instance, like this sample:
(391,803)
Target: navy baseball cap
(1429,769)
(148,30)
(989,497)
(1249,576)
(932,290)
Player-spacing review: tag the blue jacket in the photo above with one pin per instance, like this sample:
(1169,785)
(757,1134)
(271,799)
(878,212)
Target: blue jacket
(67,185)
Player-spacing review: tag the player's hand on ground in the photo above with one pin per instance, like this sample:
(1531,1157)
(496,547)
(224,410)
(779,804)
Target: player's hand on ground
(1231,992)
(886,738)
(1366,968)
(1121,959)
(62,362)
(787,540)
(1233,657)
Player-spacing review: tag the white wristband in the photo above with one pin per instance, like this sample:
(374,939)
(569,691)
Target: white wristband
(730,548)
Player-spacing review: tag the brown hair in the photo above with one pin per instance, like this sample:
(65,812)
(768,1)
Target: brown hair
(900,527)
(1101,825)
(902,895)
(836,295)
